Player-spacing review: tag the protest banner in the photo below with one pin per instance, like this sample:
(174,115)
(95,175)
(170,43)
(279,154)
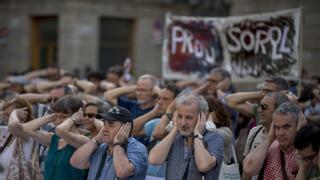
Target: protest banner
(192,46)
(252,46)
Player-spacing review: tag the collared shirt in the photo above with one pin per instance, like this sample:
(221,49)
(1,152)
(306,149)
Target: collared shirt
(154,170)
(312,109)
(272,169)
(136,111)
(180,156)
(136,153)
(255,137)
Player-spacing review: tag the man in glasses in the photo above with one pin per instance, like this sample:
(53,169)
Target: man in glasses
(266,108)
(216,76)
(269,98)
(242,101)
(144,125)
(218,84)
(144,91)
(307,144)
(275,157)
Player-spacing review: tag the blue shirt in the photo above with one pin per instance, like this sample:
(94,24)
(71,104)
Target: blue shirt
(181,159)
(133,106)
(312,109)
(136,153)
(154,170)
(149,127)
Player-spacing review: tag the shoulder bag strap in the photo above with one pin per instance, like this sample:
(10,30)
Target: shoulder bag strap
(261,173)
(103,159)
(283,166)
(255,135)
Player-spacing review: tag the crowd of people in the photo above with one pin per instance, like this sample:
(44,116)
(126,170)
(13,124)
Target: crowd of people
(57,125)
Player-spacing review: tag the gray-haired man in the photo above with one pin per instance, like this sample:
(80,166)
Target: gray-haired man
(190,150)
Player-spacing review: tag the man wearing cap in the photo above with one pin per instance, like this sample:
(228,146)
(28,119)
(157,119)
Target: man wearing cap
(113,153)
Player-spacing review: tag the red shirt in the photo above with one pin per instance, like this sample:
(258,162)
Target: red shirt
(272,169)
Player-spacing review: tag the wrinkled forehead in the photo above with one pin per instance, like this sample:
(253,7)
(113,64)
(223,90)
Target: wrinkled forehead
(269,100)
(216,76)
(283,119)
(144,82)
(269,85)
(187,107)
(91,108)
(166,93)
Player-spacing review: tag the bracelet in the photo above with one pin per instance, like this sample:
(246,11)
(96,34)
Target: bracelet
(96,142)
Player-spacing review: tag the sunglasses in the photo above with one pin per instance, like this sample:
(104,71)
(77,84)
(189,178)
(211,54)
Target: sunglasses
(308,158)
(62,115)
(263,106)
(90,115)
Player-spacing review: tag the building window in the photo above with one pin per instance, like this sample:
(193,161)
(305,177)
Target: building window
(115,41)
(44,37)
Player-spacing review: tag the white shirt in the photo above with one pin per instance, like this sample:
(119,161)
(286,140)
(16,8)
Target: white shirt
(7,153)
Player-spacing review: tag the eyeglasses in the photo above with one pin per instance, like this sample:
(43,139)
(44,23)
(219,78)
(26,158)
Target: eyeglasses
(62,116)
(267,90)
(308,158)
(212,80)
(90,115)
(143,90)
(263,107)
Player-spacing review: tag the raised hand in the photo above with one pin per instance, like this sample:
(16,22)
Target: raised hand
(171,107)
(224,84)
(66,80)
(22,114)
(271,134)
(123,133)
(201,124)
(100,137)
(47,98)
(78,116)
(159,109)
(302,121)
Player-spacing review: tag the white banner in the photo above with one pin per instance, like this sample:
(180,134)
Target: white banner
(252,46)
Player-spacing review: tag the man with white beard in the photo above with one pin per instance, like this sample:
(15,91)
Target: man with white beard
(144,91)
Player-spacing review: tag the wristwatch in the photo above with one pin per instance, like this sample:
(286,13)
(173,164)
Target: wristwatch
(169,116)
(117,143)
(198,136)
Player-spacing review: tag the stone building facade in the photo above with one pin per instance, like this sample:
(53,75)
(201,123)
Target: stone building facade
(98,33)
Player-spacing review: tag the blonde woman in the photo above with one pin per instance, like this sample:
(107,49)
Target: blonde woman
(18,154)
